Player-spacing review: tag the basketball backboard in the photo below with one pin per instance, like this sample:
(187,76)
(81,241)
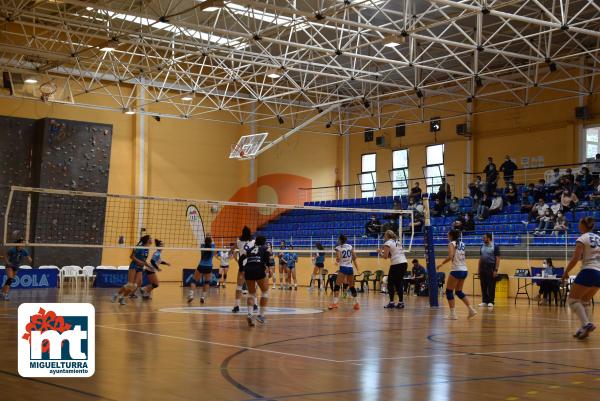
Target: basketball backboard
(247,146)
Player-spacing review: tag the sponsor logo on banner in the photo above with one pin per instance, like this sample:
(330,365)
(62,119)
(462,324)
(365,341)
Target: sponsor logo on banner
(56,340)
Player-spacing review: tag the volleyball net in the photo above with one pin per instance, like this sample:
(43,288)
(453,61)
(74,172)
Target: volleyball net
(61,218)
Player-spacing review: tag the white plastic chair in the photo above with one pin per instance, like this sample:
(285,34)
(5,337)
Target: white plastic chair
(88,273)
(123,267)
(2,267)
(106,268)
(74,272)
(25,267)
(49,267)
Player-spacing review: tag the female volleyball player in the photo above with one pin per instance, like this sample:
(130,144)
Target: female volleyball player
(138,262)
(256,259)
(14,259)
(292,259)
(282,265)
(243,240)
(319,261)
(392,249)
(271,265)
(458,274)
(223,257)
(587,282)
(203,270)
(345,258)
(155,262)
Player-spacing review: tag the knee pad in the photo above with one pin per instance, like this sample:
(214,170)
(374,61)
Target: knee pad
(353,291)
(9,281)
(336,288)
(573,301)
(449,295)
(265,294)
(238,288)
(154,285)
(460,294)
(130,286)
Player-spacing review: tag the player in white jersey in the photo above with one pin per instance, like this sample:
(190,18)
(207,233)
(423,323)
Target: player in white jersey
(458,274)
(392,249)
(224,257)
(587,282)
(244,239)
(345,258)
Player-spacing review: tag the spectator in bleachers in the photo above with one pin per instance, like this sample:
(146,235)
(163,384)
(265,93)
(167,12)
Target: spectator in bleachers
(540,189)
(480,184)
(497,205)
(595,166)
(415,193)
(453,207)
(412,204)
(527,202)
(538,210)
(508,169)
(553,180)
(555,206)
(511,195)
(546,223)
(475,193)
(569,175)
(569,201)
(373,227)
(561,225)
(491,176)
(443,196)
(464,223)
(419,222)
(594,197)
(485,204)
(584,179)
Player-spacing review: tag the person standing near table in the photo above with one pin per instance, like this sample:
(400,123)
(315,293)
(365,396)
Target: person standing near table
(489,262)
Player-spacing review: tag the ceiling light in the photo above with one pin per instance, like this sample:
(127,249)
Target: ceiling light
(30,81)
(107,49)
(393,41)
(275,73)
(187,98)
(128,110)
(212,5)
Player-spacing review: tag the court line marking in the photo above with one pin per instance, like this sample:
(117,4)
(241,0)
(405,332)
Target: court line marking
(472,354)
(241,347)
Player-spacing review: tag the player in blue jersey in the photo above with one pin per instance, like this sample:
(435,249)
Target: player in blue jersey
(282,266)
(292,259)
(319,261)
(155,262)
(587,282)
(204,271)
(14,260)
(138,262)
(458,274)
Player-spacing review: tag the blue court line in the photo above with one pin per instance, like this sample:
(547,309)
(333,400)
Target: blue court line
(408,385)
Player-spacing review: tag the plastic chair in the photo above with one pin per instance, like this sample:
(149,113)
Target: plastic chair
(25,267)
(88,273)
(376,278)
(363,278)
(73,272)
(106,268)
(49,267)
(123,268)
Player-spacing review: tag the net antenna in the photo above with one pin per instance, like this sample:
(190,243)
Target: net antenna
(247,146)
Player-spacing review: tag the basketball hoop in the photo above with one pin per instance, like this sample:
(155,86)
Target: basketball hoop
(247,146)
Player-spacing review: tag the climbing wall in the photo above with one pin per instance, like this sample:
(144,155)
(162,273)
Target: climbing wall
(70,155)
(16,144)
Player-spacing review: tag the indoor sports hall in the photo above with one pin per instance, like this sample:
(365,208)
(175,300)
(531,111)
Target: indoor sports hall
(247,200)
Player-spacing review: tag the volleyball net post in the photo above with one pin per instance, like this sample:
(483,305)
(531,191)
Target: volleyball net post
(428,241)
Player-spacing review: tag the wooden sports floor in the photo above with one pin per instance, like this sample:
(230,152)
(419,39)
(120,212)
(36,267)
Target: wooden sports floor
(522,352)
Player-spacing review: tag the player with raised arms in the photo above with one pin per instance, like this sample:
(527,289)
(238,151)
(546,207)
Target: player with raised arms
(14,260)
(255,260)
(587,282)
(346,259)
(393,250)
(155,262)
(458,274)
(204,271)
(136,268)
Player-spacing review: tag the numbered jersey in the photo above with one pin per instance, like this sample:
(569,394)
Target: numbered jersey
(224,256)
(591,251)
(396,252)
(345,255)
(459,262)
(255,255)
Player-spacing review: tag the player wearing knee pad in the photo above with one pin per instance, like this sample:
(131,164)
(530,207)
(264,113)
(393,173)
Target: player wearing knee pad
(138,263)
(240,255)
(152,272)
(203,271)
(346,259)
(14,260)
(587,281)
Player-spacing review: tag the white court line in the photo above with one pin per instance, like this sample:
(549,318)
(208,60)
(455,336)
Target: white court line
(220,344)
(471,354)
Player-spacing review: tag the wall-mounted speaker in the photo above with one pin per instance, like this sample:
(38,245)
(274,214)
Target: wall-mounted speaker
(400,130)
(461,129)
(582,113)
(435,124)
(368,135)
(380,141)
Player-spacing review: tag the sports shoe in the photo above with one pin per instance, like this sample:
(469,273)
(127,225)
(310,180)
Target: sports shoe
(356,306)
(472,313)
(250,321)
(332,306)
(390,306)
(451,316)
(274,287)
(132,295)
(482,305)
(113,299)
(5,297)
(244,292)
(190,299)
(202,300)
(122,301)
(586,330)
(255,308)
(490,305)
(400,305)
(296,287)
(261,319)
(235,309)
(223,285)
